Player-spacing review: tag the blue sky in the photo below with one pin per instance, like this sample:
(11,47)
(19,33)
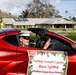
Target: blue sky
(16,6)
(69,5)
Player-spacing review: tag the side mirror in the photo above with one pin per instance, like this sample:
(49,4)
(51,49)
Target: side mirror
(74,47)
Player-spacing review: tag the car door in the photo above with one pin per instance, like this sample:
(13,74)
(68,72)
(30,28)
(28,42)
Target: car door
(8,58)
(71,63)
(22,60)
(59,45)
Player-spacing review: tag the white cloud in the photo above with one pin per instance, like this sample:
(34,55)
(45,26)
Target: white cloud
(13,6)
(16,6)
(15,11)
(56,2)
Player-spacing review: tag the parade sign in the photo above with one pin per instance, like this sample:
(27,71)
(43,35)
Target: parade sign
(47,63)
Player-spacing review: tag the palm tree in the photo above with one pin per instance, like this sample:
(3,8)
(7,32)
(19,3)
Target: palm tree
(66,13)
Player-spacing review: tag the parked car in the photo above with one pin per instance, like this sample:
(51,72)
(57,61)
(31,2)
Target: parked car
(14,59)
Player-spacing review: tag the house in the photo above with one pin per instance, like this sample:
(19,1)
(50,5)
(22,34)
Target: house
(24,23)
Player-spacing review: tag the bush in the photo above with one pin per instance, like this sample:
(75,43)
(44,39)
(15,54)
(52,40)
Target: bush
(74,28)
(71,35)
(53,29)
(34,36)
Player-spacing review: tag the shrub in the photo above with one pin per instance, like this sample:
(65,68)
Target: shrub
(71,35)
(53,29)
(34,36)
(74,28)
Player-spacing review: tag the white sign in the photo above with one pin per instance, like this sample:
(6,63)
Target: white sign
(47,63)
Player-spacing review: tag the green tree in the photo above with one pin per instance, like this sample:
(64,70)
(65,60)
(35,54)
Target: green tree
(73,18)
(2,24)
(24,14)
(66,13)
(5,14)
(39,9)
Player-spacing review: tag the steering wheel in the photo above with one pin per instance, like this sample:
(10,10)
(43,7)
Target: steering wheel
(40,43)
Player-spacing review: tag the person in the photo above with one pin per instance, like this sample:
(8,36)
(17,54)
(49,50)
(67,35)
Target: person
(48,42)
(24,40)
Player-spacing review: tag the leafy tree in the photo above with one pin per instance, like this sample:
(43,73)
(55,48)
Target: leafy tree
(5,14)
(66,13)
(39,9)
(74,19)
(24,14)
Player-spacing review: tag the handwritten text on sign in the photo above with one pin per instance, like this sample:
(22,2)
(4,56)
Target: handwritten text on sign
(47,63)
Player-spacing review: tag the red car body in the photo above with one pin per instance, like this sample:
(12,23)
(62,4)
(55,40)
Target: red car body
(14,59)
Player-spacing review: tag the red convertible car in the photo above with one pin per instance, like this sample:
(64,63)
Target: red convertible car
(14,60)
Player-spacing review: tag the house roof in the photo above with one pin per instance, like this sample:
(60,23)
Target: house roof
(58,21)
(29,21)
(8,20)
(34,21)
(63,21)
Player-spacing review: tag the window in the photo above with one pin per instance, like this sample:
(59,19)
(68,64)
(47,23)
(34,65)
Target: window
(11,39)
(20,19)
(16,19)
(60,45)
